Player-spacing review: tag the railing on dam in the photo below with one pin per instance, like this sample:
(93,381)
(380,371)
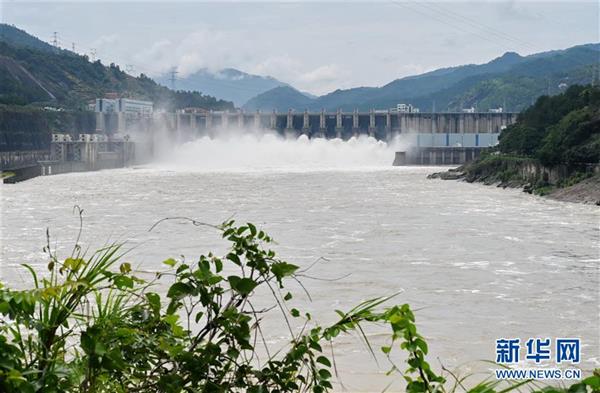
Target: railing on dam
(339,124)
(20,159)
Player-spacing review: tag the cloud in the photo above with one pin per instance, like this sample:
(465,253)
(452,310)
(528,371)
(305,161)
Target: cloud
(279,66)
(324,74)
(155,59)
(201,49)
(214,50)
(103,40)
(516,10)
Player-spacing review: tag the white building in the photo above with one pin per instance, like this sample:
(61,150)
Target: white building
(469,110)
(496,110)
(124,105)
(406,108)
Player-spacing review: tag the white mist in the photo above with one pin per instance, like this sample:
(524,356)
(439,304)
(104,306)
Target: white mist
(248,150)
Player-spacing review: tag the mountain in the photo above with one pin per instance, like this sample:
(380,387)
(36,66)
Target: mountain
(279,98)
(22,39)
(229,84)
(33,72)
(510,80)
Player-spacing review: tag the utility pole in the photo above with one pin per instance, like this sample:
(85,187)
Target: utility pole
(55,40)
(433,107)
(173,77)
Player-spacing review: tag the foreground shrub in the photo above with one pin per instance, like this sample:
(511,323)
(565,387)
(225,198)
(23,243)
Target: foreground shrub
(90,326)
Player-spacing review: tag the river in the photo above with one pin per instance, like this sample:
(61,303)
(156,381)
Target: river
(477,262)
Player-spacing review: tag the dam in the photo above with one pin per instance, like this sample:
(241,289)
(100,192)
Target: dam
(381,125)
(429,138)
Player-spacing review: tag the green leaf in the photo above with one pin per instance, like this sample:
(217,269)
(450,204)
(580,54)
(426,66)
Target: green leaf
(422,345)
(234,258)
(242,285)
(125,267)
(593,381)
(218,265)
(252,229)
(283,269)
(154,301)
(386,349)
(121,281)
(172,320)
(324,361)
(324,373)
(179,290)
(87,342)
(170,262)
(73,264)
(295,313)
(288,296)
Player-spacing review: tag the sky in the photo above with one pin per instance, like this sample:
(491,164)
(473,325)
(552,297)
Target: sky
(315,46)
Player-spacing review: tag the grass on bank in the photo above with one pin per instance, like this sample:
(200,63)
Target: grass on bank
(92,324)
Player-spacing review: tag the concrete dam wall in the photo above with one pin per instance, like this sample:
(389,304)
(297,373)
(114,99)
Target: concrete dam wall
(381,126)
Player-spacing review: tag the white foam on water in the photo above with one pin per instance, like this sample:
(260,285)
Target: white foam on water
(256,151)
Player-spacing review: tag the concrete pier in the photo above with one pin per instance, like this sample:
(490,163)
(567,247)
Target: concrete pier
(306,123)
(437,156)
(372,127)
(338,124)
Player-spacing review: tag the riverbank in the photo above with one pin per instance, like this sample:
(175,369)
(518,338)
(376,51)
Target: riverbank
(578,184)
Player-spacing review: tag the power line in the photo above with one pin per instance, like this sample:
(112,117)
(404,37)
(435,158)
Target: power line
(475,24)
(458,27)
(493,35)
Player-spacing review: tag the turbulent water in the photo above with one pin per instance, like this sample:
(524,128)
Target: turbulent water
(477,262)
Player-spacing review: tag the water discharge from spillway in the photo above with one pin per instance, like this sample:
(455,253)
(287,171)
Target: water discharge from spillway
(269,151)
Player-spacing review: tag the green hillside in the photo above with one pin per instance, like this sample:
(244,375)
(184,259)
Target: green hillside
(563,129)
(510,81)
(280,99)
(20,38)
(32,72)
(553,148)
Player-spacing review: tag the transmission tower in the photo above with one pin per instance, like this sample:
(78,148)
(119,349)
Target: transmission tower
(129,68)
(93,54)
(55,40)
(173,77)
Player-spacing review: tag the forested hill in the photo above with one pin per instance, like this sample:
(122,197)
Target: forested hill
(552,149)
(563,129)
(511,81)
(34,72)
